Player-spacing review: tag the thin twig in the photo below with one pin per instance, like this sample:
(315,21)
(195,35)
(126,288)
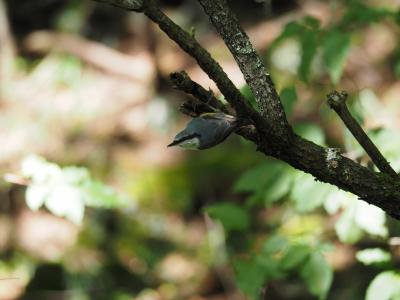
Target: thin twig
(337,101)
(133,5)
(183,82)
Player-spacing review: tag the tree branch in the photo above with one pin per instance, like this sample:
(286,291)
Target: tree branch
(379,189)
(133,5)
(337,101)
(188,43)
(183,82)
(252,68)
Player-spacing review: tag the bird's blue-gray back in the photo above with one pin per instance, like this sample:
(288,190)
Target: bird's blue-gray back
(218,129)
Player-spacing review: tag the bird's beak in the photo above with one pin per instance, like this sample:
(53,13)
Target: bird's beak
(174,143)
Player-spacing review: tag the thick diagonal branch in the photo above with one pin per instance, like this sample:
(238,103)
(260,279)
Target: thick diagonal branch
(337,101)
(251,66)
(189,44)
(379,189)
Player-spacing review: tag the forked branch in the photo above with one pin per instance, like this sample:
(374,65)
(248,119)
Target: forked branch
(272,133)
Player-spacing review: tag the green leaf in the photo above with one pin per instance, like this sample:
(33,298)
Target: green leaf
(373,256)
(335,48)
(346,228)
(259,176)
(289,98)
(99,195)
(278,186)
(317,274)
(296,255)
(269,181)
(360,13)
(371,219)
(309,45)
(275,244)
(335,201)
(311,22)
(65,191)
(310,132)
(307,193)
(291,29)
(253,179)
(250,277)
(270,266)
(297,29)
(232,216)
(385,286)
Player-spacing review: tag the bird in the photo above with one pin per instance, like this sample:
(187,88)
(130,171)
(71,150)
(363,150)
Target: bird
(206,131)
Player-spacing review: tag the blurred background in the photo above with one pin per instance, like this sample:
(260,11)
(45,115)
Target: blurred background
(94,206)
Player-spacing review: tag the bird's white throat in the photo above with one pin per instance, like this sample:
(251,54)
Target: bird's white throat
(192,144)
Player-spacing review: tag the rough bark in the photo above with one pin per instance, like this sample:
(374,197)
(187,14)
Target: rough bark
(273,135)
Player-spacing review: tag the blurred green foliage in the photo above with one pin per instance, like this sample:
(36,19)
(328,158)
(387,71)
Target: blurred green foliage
(65,191)
(183,228)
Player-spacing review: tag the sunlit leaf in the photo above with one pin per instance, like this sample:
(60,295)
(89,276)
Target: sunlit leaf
(388,141)
(232,216)
(346,228)
(65,191)
(385,286)
(335,47)
(373,256)
(317,274)
(66,201)
(335,201)
(75,175)
(36,196)
(99,195)
(302,227)
(370,218)
(38,169)
(275,244)
(307,193)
